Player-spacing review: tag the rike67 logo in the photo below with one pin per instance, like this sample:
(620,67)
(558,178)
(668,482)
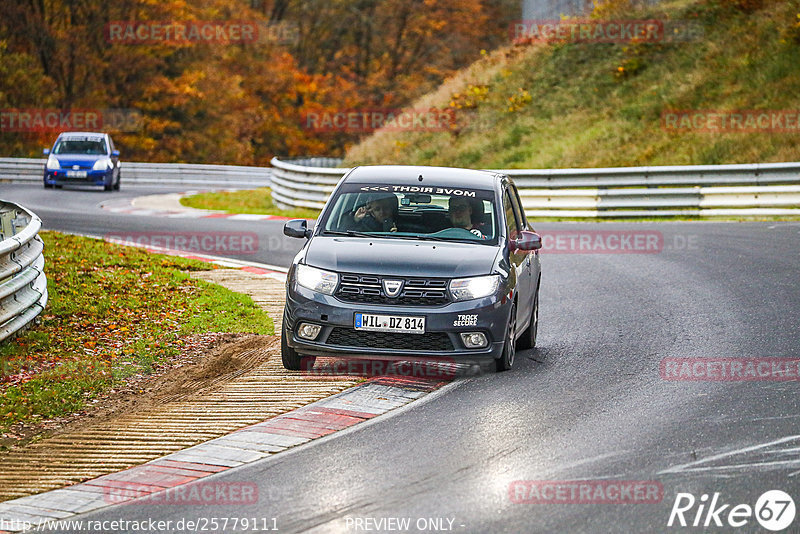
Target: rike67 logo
(774,511)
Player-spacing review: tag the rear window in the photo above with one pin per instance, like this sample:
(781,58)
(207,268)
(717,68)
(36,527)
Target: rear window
(92,146)
(413,212)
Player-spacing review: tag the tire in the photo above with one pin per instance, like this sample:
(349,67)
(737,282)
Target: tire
(116,185)
(48,186)
(291,359)
(506,360)
(108,187)
(528,338)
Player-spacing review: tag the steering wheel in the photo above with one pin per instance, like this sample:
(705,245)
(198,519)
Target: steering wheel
(455,233)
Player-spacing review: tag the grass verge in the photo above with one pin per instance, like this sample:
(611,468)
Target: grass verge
(574,105)
(113,312)
(257,201)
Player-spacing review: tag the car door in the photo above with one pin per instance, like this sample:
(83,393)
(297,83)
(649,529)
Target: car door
(533,255)
(519,259)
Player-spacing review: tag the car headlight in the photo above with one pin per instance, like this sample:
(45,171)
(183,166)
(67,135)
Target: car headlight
(316,279)
(102,164)
(475,287)
(52,163)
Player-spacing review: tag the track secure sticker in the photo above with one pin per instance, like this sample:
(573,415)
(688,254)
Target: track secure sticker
(466,320)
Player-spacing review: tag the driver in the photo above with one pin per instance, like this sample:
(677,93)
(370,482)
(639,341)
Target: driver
(377,215)
(461,212)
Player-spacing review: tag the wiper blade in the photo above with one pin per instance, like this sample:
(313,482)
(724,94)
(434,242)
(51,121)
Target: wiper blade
(447,239)
(353,233)
(348,233)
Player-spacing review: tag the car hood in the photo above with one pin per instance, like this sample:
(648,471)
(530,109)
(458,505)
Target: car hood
(400,257)
(82,160)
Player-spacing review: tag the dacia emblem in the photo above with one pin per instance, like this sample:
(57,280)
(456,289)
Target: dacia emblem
(392,288)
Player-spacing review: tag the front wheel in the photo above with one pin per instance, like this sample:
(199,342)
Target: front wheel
(116,185)
(506,360)
(290,358)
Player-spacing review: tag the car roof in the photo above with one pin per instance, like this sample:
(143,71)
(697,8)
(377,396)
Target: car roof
(409,174)
(82,134)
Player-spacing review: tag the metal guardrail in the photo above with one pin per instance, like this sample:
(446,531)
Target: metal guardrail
(771,189)
(23,285)
(31,170)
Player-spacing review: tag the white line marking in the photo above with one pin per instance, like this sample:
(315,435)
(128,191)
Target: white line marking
(778,451)
(740,466)
(680,468)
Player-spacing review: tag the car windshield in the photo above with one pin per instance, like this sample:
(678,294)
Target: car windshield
(413,212)
(93,146)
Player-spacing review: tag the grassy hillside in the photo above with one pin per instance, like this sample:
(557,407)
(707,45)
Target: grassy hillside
(568,105)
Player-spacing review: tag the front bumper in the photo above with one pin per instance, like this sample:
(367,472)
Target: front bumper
(61,177)
(443,326)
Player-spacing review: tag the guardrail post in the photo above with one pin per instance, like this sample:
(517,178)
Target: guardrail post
(7,226)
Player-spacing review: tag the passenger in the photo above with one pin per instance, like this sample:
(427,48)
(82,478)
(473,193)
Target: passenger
(462,215)
(378,215)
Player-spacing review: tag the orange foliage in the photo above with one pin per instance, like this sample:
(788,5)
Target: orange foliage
(233,102)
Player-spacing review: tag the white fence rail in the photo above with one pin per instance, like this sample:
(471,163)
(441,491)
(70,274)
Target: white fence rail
(771,189)
(31,170)
(23,285)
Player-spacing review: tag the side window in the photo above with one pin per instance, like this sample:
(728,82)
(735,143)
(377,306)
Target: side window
(517,203)
(512,224)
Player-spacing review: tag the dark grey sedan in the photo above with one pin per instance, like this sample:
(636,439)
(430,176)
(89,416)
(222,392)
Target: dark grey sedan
(411,262)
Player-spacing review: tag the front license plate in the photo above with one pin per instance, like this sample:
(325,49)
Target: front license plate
(76,174)
(390,323)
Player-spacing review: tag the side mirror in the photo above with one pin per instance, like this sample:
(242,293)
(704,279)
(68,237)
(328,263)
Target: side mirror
(46,151)
(115,153)
(528,241)
(297,228)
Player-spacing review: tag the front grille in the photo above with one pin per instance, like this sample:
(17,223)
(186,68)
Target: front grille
(430,341)
(415,292)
